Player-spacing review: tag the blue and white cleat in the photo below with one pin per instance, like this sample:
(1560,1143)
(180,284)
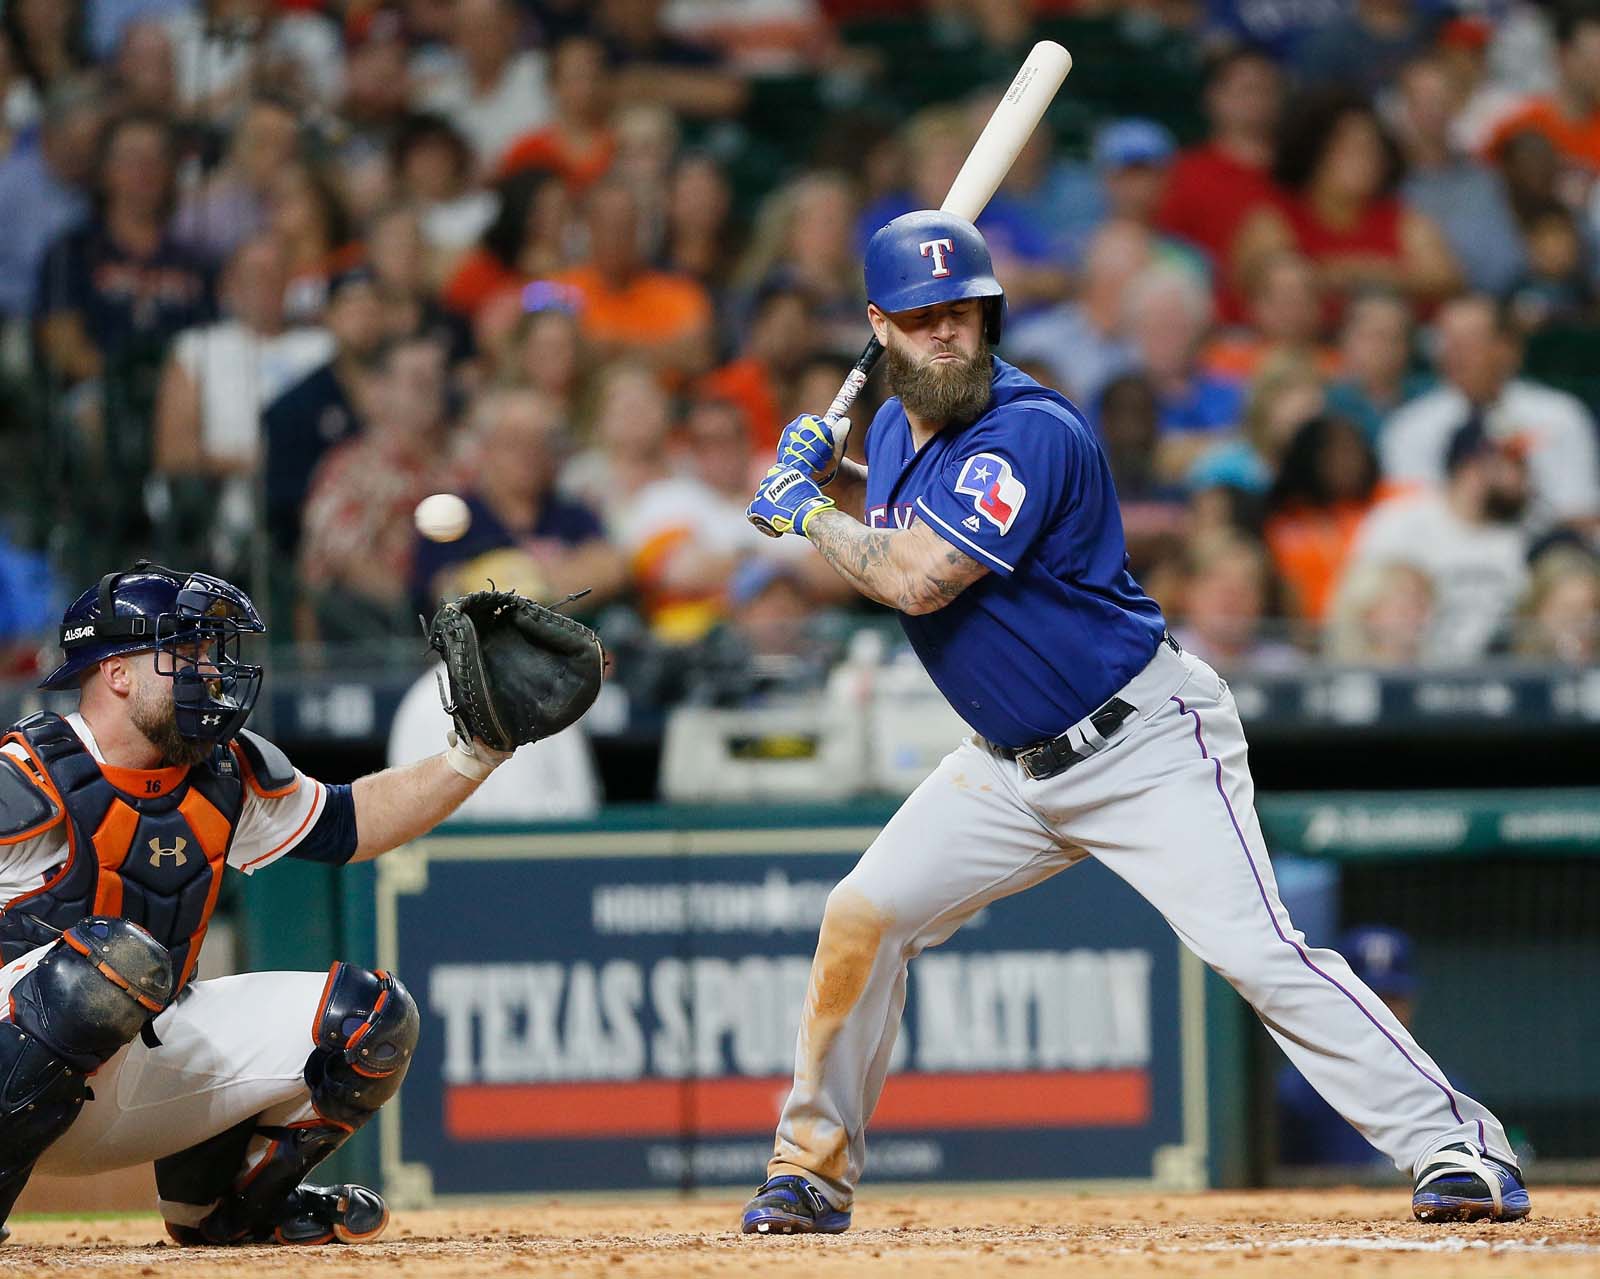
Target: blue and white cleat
(791,1205)
(1460,1184)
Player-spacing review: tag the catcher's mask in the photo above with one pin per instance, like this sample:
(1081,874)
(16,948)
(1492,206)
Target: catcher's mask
(193,622)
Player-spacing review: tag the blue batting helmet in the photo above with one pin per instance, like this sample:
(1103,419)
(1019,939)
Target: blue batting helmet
(193,620)
(930,256)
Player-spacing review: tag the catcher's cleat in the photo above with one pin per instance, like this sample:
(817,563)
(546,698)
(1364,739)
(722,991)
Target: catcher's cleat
(311,1215)
(791,1205)
(1460,1184)
(323,1214)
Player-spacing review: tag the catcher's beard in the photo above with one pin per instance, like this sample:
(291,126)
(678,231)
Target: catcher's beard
(157,718)
(948,391)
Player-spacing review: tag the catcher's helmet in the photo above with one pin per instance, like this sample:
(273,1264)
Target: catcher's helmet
(193,620)
(930,256)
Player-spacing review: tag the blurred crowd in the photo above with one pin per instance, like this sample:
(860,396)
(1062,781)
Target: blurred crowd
(1323,275)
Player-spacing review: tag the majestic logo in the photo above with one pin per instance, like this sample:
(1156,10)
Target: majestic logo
(176,851)
(996,493)
(77,633)
(970,523)
(936,249)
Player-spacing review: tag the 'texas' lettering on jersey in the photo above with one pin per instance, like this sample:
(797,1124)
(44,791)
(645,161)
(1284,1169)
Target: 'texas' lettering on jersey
(900,515)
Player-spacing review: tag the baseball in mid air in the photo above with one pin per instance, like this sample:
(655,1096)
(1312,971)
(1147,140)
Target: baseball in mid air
(443,517)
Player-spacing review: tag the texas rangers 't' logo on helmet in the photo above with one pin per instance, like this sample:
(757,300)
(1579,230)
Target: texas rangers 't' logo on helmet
(937,250)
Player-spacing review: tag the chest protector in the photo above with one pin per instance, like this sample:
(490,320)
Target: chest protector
(156,860)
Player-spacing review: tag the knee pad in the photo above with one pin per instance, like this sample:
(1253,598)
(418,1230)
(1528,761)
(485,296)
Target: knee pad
(90,995)
(366,1030)
(70,1014)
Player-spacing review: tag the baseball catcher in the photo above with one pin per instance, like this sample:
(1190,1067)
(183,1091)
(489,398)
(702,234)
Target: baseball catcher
(116,824)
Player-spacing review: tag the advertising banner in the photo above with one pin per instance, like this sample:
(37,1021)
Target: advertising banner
(619,1011)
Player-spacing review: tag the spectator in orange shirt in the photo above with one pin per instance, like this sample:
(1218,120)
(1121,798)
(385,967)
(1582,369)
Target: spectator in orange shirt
(629,309)
(577,143)
(1326,485)
(525,241)
(1284,309)
(778,345)
(1570,117)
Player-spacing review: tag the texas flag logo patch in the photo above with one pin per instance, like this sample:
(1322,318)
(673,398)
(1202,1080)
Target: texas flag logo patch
(996,493)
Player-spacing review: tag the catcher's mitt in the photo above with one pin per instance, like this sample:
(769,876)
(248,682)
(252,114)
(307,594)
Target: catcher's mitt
(518,671)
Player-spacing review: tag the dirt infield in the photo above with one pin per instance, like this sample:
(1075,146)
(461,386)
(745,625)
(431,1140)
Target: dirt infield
(1253,1235)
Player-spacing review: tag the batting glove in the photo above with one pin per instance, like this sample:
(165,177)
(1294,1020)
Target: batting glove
(785,501)
(810,445)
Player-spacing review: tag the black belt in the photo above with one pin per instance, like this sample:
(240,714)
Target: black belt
(1055,755)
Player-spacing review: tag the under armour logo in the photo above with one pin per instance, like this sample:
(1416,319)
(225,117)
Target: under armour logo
(936,249)
(157,852)
(210,721)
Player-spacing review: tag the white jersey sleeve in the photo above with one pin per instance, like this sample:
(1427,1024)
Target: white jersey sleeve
(272,825)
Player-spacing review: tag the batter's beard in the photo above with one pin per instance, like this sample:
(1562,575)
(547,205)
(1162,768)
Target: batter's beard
(943,391)
(157,719)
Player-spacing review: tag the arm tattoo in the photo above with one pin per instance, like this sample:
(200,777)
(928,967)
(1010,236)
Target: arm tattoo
(911,569)
(961,571)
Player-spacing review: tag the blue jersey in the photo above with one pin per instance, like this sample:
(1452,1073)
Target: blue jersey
(1058,624)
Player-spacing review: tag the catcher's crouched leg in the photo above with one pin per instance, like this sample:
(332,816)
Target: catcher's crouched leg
(69,1015)
(246,1182)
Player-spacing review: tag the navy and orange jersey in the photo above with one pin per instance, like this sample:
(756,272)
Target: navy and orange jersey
(149,845)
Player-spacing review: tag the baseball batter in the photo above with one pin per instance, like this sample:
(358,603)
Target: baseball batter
(116,824)
(986,516)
